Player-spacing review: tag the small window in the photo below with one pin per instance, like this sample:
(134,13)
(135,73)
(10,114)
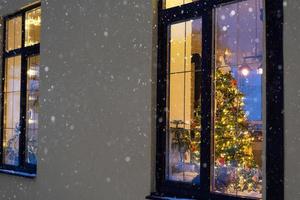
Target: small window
(21,91)
(174,3)
(13,33)
(32,27)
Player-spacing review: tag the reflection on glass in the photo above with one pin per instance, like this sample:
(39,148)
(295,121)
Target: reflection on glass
(238,133)
(13,33)
(184,96)
(11,123)
(33,87)
(32,27)
(173,3)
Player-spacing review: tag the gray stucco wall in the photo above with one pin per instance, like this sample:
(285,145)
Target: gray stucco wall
(292,98)
(98,90)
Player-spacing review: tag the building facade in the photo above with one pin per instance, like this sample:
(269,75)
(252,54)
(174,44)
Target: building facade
(98,100)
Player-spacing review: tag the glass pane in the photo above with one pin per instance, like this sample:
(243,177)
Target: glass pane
(238,132)
(11,146)
(33,27)
(173,3)
(183,117)
(13,74)
(12,127)
(33,87)
(13,33)
(12,110)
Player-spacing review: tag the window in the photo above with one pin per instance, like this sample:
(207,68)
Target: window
(174,3)
(20,99)
(219,100)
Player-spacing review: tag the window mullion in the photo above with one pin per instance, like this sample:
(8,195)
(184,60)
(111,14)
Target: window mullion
(206,95)
(22,138)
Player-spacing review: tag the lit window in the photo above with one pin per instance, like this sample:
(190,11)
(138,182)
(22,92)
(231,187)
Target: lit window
(33,27)
(216,76)
(184,119)
(13,33)
(21,91)
(238,123)
(174,3)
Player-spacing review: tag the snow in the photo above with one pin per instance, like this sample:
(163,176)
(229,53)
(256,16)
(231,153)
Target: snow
(53,119)
(127,159)
(105,33)
(232,13)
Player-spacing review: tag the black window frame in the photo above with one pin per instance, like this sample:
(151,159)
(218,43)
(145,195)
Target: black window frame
(274,136)
(24,169)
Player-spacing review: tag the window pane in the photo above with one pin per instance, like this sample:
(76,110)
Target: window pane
(13,74)
(11,147)
(13,33)
(33,86)
(238,132)
(173,3)
(11,127)
(183,163)
(12,110)
(33,27)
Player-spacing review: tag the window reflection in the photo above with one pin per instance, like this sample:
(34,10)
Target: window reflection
(184,118)
(33,87)
(238,133)
(32,27)
(13,33)
(11,124)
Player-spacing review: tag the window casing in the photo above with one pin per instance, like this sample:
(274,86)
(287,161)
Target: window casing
(198,179)
(20,87)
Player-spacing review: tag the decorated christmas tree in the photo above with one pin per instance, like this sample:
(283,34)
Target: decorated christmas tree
(232,140)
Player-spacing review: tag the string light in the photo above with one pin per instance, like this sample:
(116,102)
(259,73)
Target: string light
(33,21)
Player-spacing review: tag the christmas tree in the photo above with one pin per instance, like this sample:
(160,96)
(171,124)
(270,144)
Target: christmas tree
(232,140)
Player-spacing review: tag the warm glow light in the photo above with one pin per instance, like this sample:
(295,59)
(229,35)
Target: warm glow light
(32,98)
(227,52)
(245,71)
(34,22)
(31,121)
(32,72)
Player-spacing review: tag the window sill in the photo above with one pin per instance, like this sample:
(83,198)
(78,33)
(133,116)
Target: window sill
(16,173)
(213,196)
(155,197)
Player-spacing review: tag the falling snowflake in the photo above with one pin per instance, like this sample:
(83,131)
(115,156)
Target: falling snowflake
(285,3)
(232,13)
(127,159)
(72,127)
(52,119)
